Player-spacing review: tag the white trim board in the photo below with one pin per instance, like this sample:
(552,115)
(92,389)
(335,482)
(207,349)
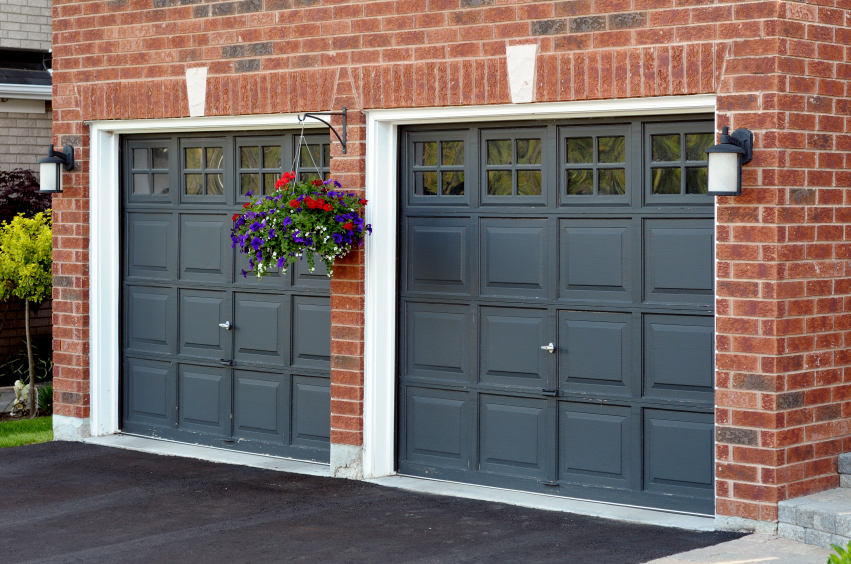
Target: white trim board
(210,454)
(549,502)
(382,130)
(27,91)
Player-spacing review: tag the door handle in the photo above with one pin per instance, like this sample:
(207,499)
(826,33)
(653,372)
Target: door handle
(549,348)
(226,325)
(226,362)
(550,393)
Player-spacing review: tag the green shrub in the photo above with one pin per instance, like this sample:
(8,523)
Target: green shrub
(45,400)
(16,368)
(842,556)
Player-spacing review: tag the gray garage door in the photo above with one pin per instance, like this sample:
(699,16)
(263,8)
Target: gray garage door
(556,310)
(209,356)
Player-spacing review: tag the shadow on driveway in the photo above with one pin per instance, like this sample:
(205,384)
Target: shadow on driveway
(86,503)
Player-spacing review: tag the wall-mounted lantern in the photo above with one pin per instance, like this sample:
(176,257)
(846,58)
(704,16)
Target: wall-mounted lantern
(726,160)
(50,169)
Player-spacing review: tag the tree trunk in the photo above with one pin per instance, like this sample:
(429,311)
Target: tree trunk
(30,358)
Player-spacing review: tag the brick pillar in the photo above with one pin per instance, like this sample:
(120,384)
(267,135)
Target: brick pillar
(71,279)
(347,299)
(784,292)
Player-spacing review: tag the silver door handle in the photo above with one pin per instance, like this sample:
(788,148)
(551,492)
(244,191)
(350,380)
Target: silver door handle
(226,325)
(549,348)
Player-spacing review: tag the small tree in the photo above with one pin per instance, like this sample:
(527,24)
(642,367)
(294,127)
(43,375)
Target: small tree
(26,270)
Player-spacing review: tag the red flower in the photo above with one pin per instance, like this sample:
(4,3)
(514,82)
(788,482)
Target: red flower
(235,216)
(362,202)
(328,207)
(284,180)
(246,204)
(317,183)
(294,203)
(349,226)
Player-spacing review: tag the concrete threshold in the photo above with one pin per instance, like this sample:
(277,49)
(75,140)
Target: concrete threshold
(629,514)
(210,454)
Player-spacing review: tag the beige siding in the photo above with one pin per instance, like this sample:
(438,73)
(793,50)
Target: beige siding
(25,138)
(25,24)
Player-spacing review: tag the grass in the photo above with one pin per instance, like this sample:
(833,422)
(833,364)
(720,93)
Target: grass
(26,431)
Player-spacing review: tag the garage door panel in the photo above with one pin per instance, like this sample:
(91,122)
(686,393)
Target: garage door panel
(510,347)
(439,255)
(151,252)
(306,279)
(596,260)
(678,452)
(596,444)
(205,248)
(205,399)
(261,328)
(311,330)
(678,357)
(679,261)
(150,320)
(311,411)
(150,392)
(514,257)
(260,405)
(439,341)
(514,436)
(596,353)
(200,314)
(436,427)
(244,277)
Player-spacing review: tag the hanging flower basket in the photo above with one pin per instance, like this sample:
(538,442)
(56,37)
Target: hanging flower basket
(300,221)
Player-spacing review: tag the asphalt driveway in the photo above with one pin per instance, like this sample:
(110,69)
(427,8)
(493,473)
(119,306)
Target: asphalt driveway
(71,502)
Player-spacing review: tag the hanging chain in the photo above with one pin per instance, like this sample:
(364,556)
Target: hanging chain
(297,158)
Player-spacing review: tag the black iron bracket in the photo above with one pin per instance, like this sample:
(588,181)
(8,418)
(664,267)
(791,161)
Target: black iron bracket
(315,115)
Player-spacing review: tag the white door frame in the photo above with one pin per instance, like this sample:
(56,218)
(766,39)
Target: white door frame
(382,136)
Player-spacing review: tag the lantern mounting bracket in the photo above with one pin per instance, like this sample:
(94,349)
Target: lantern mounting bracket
(740,138)
(66,156)
(315,115)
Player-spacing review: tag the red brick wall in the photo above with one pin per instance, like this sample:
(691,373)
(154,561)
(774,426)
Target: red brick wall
(784,290)
(779,68)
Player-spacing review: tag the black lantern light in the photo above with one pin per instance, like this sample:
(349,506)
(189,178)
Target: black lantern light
(726,160)
(51,169)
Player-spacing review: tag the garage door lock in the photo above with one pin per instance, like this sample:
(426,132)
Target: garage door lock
(549,348)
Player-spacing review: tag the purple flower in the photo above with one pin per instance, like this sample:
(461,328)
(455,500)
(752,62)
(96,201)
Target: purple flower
(287,221)
(272,233)
(249,194)
(256,243)
(255,227)
(259,255)
(244,274)
(337,238)
(281,262)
